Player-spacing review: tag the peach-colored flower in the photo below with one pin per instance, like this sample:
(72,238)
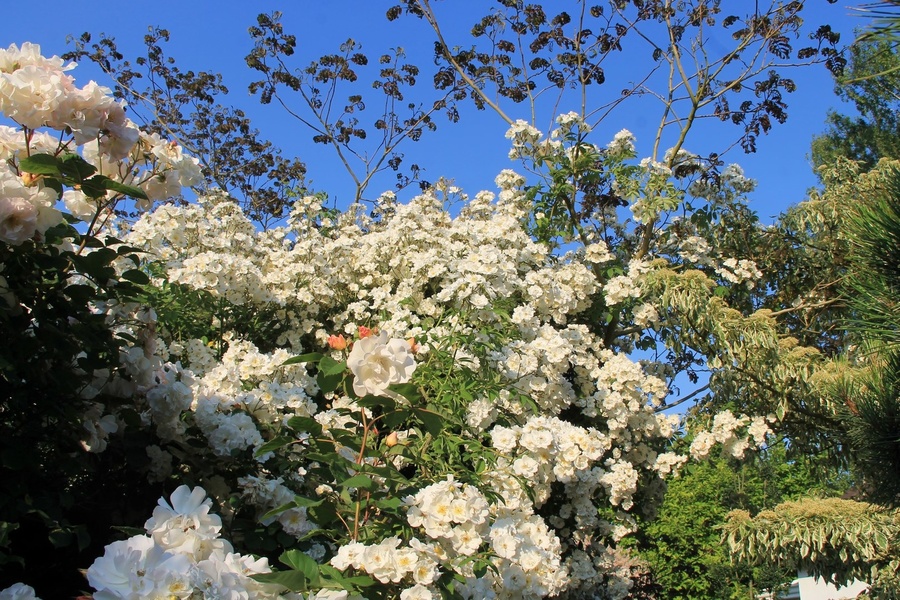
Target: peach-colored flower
(365,332)
(337,342)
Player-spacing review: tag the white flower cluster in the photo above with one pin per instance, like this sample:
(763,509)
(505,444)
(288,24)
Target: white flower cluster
(568,123)
(622,145)
(738,271)
(459,519)
(269,494)
(419,267)
(736,434)
(622,287)
(388,561)
(695,249)
(524,137)
(25,210)
(730,185)
(182,556)
(244,390)
(537,363)
(36,92)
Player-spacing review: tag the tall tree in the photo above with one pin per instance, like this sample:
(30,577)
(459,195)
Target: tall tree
(871,82)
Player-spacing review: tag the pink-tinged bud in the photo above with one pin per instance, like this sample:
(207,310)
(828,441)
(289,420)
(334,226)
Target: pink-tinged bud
(391,440)
(365,332)
(337,342)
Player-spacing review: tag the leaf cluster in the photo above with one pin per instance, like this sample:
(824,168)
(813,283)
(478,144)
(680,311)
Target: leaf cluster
(186,106)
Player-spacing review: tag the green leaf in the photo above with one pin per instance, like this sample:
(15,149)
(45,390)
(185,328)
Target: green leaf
(359,481)
(93,187)
(410,391)
(136,276)
(307,424)
(97,259)
(303,358)
(40,164)
(54,184)
(301,562)
(329,383)
(395,418)
(391,503)
(80,292)
(301,502)
(294,581)
(273,444)
(370,401)
(329,366)
(76,167)
(324,514)
(128,190)
(434,423)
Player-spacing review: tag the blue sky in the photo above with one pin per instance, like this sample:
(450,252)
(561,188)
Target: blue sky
(213,36)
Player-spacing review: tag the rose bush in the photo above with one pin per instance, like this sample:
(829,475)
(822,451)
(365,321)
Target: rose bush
(497,437)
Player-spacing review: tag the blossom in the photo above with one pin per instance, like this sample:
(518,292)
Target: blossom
(186,524)
(377,362)
(18,591)
(137,568)
(337,342)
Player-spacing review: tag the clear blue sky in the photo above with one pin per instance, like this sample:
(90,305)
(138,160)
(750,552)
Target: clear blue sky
(213,36)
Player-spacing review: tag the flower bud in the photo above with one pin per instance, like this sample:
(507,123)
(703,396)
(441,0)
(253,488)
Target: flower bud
(391,440)
(30,179)
(337,342)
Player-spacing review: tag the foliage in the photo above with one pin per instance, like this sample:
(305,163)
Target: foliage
(441,397)
(869,82)
(51,288)
(683,544)
(859,391)
(835,539)
(184,106)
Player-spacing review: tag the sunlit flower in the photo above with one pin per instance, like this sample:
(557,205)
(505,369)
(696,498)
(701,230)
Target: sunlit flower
(377,362)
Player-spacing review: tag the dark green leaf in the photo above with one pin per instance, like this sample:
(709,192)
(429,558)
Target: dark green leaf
(301,562)
(303,358)
(307,424)
(54,184)
(295,581)
(93,187)
(329,366)
(395,418)
(40,164)
(273,444)
(434,423)
(370,401)
(136,276)
(359,481)
(76,168)
(128,190)
(329,383)
(409,391)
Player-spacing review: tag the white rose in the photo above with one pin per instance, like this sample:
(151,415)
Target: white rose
(377,362)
